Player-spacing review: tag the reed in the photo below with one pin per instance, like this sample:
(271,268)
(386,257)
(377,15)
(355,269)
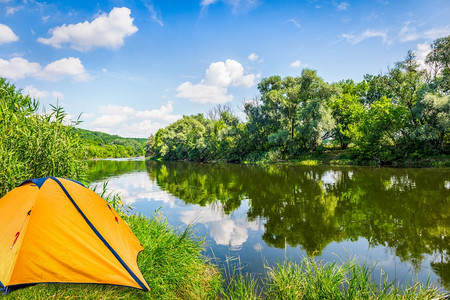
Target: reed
(32,144)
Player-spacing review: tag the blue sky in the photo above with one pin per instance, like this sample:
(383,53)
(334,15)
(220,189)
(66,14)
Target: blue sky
(131,67)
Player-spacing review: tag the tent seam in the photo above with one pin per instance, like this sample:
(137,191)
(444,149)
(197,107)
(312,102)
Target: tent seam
(99,235)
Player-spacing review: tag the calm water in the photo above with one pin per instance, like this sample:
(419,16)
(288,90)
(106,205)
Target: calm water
(396,219)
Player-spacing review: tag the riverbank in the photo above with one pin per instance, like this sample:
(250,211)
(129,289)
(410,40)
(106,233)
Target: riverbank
(337,157)
(174,268)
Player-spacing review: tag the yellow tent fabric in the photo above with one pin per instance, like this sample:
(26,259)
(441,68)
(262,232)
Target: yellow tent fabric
(56,230)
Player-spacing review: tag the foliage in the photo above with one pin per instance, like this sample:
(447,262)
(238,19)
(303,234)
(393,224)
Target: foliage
(32,144)
(102,145)
(398,116)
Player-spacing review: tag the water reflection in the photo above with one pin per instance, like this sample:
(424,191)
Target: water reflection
(314,208)
(407,210)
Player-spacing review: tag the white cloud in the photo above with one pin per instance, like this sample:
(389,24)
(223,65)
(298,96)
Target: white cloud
(224,229)
(141,129)
(35,93)
(127,121)
(369,33)
(219,77)
(18,68)
(207,2)
(153,14)
(407,33)
(108,31)
(258,247)
(10,10)
(296,64)
(436,32)
(421,54)
(342,6)
(64,67)
(7,35)
(253,57)
(202,93)
(238,6)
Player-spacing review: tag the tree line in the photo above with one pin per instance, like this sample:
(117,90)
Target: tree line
(103,145)
(400,115)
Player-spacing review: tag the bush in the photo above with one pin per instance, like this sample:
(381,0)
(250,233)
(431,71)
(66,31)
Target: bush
(34,145)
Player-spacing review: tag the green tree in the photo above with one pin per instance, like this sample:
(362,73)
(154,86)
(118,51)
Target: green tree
(346,110)
(439,61)
(314,114)
(433,112)
(379,132)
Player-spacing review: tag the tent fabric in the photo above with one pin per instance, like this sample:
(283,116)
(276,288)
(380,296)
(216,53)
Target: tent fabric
(57,230)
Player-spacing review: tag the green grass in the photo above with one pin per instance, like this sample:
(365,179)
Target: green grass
(313,279)
(171,263)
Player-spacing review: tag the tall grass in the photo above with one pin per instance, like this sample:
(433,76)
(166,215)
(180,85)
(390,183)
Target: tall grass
(34,145)
(314,279)
(239,285)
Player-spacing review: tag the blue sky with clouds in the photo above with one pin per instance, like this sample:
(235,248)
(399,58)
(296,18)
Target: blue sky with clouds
(132,67)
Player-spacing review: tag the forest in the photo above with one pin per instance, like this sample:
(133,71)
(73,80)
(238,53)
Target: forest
(103,145)
(401,115)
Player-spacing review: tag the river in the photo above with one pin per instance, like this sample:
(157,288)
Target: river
(395,219)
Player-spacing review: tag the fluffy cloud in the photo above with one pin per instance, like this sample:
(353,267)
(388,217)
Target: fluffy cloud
(127,121)
(219,77)
(421,54)
(59,69)
(7,35)
(253,57)
(369,33)
(224,229)
(35,93)
(108,31)
(18,68)
(296,64)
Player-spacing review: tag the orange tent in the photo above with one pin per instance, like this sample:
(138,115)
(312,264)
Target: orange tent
(57,230)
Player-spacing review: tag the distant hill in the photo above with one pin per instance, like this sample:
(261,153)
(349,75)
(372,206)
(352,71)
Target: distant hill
(102,145)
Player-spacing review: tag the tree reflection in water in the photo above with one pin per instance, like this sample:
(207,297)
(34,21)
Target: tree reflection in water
(407,210)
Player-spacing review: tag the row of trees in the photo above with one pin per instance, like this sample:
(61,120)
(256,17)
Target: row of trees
(102,145)
(403,114)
